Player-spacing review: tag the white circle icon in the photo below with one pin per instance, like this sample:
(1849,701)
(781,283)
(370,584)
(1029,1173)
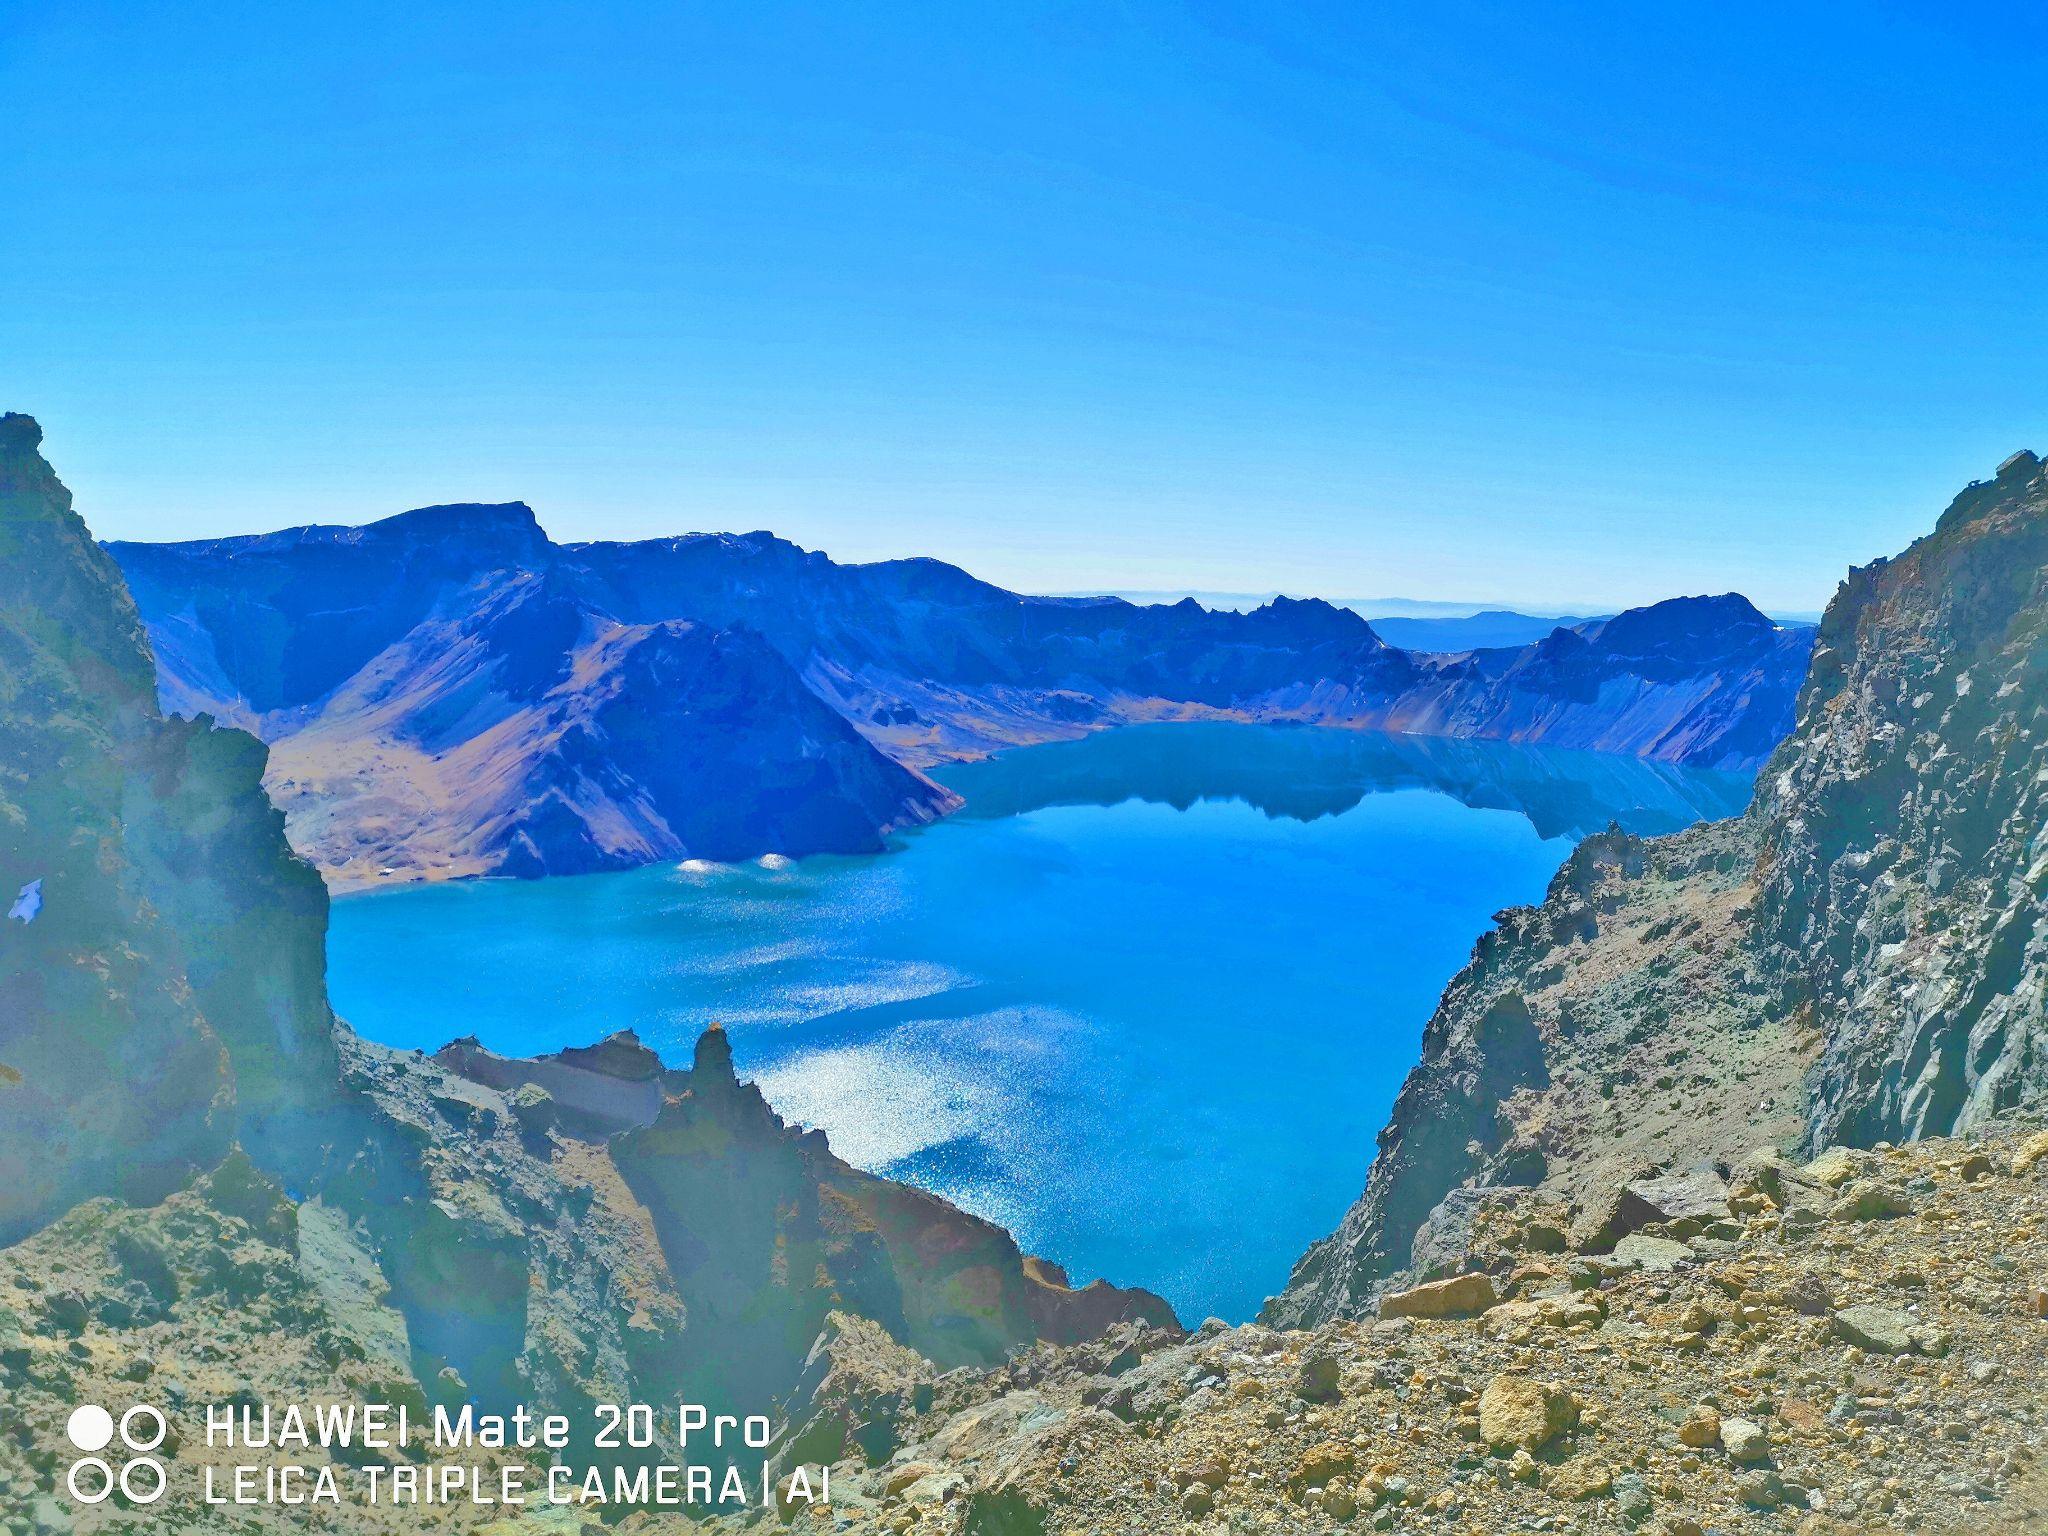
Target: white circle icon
(130,1487)
(140,1440)
(90,1427)
(94,1464)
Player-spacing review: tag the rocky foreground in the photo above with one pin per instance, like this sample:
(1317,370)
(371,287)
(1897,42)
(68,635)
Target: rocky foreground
(1854,1345)
(1859,1344)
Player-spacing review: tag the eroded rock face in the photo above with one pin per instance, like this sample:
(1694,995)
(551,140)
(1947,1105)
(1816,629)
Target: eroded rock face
(166,995)
(1902,865)
(1877,918)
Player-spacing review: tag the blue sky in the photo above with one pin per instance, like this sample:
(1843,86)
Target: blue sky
(1567,305)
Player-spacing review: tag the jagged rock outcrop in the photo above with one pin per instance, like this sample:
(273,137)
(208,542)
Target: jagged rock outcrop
(448,693)
(1859,958)
(165,997)
(766,1233)
(1904,870)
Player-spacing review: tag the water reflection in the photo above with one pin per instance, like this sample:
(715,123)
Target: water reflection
(1306,773)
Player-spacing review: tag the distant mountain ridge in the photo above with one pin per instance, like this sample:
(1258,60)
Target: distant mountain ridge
(449,692)
(443,699)
(1488,629)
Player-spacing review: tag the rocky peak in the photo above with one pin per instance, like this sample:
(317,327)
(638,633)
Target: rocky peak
(620,1055)
(1696,625)
(54,582)
(505,532)
(1308,621)
(19,434)
(1903,892)
(2020,465)
(712,1063)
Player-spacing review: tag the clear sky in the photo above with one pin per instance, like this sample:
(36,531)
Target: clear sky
(1562,304)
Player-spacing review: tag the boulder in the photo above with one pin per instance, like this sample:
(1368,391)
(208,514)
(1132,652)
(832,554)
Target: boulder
(1761,1489)
(1320,1464)
(1657,1254)
(1881,1330)
(1580,1480)
(1701,1429)
(2032,1151)
(1809,1295)
(1697,1194)
(1519,1411)
(1319,1376)
(1745,1441)
(1458,1296)
(1867,1201)
(1835,1167)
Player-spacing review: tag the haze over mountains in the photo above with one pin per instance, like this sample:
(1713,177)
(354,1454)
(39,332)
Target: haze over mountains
(448,692)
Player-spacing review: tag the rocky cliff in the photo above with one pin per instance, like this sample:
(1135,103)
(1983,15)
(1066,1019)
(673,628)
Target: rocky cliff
(449,693)
(1904,868)
(1858,958)
(162,987)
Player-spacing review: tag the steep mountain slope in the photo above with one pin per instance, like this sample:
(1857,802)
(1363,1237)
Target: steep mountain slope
(1859,958)
(174,935)
(1904,863)
(444,701)
(451,694)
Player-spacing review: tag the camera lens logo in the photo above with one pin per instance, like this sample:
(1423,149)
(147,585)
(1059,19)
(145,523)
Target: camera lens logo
(93,1478)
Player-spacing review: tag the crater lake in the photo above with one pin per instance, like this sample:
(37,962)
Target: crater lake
(1145,1001)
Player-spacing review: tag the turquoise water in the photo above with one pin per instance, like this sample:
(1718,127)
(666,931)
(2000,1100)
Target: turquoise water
(1146,1001)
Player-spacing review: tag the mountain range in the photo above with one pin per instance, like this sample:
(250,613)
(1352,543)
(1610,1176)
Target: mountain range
(448,692)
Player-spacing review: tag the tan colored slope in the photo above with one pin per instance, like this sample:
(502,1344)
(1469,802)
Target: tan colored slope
(1618,1028)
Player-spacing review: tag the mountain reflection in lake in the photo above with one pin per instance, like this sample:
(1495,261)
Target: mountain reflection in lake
(1146,1000)
(1308,772)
